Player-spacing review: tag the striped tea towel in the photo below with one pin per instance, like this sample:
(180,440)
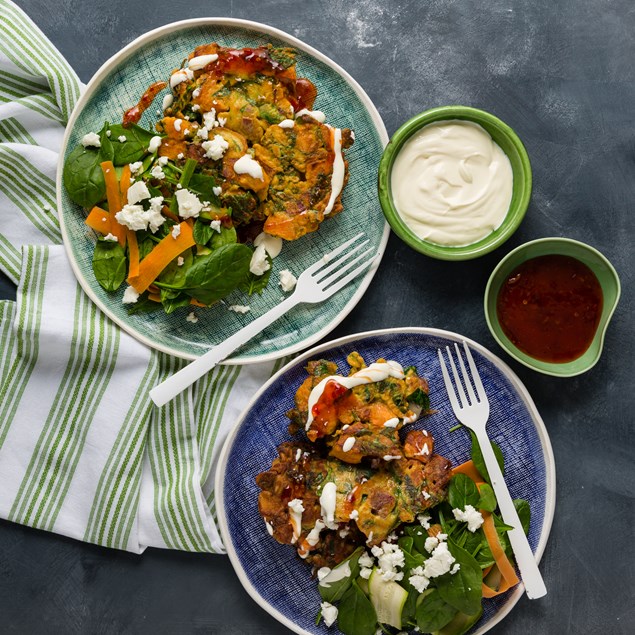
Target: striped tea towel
(83,451)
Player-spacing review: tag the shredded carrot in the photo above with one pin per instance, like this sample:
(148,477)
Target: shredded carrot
(505,567)
(469,469)
(133,254)
(159,258)
(124,183)
(99,220)
(114,200)
(168,214)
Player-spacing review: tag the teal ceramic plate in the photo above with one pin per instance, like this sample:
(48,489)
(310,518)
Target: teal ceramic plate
(119,84)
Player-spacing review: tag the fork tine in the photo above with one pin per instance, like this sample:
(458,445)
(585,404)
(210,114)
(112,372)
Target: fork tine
(457,380)
(345,266)
(466,375)
(331,254)
(340,284)
(319,275)
(448,382)
(475,376)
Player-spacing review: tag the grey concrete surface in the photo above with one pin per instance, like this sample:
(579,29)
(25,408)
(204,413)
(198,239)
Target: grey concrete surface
(563,75)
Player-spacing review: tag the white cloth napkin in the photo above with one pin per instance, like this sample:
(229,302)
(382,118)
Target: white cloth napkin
(83,451)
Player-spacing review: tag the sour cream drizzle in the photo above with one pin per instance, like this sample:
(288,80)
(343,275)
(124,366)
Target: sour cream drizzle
(370,375)
(451,183)
(337,177)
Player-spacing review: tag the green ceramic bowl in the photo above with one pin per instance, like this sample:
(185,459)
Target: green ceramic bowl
(601,267)
(509,142)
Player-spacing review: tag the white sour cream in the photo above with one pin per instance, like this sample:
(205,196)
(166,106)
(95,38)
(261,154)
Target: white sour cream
(370,375)
(337,177)
(451,183)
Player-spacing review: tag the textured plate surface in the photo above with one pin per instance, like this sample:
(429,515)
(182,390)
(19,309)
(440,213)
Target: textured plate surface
(120,83)
(272,573)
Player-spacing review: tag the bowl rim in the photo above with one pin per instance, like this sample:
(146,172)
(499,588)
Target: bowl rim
(514,215)
(553,369)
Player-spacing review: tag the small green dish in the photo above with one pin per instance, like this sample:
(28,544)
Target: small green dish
(592,258)
(509,142)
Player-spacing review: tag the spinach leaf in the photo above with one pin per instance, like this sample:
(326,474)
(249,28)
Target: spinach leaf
(83,178)
(463,589)
(477,457)
(143,305)
(419,536)
(171,304)
(174,275)
(203,185)
(488,498)
(257,284)
(106,149)
(420,398)
(462,492)
(336,590)
(409,609)
(109,264)
(433,613)
(135,145)
(202,232)
(227,236)
(356,615)
(524,513)
(213,276)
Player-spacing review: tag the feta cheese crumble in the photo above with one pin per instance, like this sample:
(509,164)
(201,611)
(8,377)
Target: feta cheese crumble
(215,147)
(122,138)
(176,231)
(135,167)
(329,613)
(138,192)
(110,237)
(134,217)
(471,516)
(239,308)
(217,190)
(189,204)
(130,296)
(287,280)
(259,261)
(272,244)
(191,317)
(389,559)
(157,173)
(91,140)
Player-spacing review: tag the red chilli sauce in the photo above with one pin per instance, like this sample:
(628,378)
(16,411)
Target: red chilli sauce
(550,308)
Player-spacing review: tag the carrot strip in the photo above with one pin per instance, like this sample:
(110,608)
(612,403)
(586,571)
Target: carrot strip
(133,254)
(195,302)
(502,562)
(159,258)
(114,200)
(99,220)
(168,214)
(124,183)
(469,469)
(155,297)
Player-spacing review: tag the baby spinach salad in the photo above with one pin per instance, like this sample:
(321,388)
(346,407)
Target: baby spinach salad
(429,576)
(207,263)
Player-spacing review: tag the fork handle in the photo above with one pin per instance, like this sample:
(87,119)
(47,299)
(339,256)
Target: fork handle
(177,383)
(529,572)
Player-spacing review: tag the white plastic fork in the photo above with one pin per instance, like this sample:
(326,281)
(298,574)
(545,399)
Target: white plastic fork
(317,283)
(473,414)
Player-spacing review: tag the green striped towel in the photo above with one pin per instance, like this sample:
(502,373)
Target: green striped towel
(83,451)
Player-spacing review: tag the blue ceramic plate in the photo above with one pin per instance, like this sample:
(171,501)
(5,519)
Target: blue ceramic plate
(272,574)
(118,85)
